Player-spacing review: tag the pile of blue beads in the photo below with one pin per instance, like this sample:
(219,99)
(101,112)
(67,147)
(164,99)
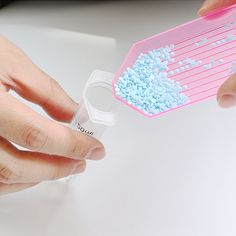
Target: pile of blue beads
(146,85)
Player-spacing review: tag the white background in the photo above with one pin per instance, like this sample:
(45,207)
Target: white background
(174,175)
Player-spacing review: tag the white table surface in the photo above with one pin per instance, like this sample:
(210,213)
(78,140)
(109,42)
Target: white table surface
(170,176)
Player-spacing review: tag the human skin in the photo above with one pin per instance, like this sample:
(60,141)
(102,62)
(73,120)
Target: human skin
(226,95)
(55,151)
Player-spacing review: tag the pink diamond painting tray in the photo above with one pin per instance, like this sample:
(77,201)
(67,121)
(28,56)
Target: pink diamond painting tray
(179,67)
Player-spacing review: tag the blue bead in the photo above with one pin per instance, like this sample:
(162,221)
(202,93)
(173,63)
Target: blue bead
(146,85)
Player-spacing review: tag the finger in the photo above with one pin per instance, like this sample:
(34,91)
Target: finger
(27,128)
(41,89)
(31,167)
(211,5)
(11,188)
(226,95)
(20,74)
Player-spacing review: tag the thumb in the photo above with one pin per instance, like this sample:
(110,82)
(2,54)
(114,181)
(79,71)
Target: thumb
(211,5)
(226,95)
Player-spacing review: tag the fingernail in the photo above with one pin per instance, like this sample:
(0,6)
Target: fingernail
(202,11)
(95,154)
(227,100)
(78,168)
(207,7)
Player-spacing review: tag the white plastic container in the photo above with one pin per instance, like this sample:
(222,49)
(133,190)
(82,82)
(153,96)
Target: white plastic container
(95,110)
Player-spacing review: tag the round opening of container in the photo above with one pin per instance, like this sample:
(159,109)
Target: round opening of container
(101,98)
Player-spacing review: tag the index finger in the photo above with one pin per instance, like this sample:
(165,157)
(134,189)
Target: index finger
(27,128)
(23,76)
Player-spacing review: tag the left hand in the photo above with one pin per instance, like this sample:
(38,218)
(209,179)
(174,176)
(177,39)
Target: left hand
(55,151)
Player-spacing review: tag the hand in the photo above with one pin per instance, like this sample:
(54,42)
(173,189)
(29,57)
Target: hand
(226,96)
(211,5)
(55,150)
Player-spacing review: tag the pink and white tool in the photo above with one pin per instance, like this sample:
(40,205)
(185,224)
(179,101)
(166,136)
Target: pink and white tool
(209,41)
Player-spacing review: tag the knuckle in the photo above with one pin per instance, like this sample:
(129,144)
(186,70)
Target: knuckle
(77,148)
(7,173)
(34,138)
(57,172)
(53,84)
(60,170)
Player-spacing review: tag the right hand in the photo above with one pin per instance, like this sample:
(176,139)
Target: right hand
(226,95)
(55,150)
(211,5)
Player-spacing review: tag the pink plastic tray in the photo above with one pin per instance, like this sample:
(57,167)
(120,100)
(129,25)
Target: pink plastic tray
(209,40)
